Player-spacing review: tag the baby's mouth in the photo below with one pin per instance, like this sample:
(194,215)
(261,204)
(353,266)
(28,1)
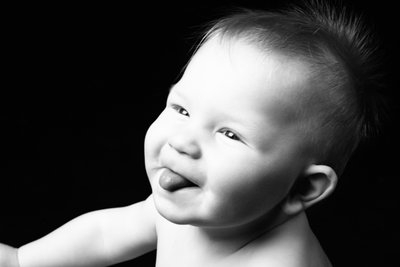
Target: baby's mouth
(172,181)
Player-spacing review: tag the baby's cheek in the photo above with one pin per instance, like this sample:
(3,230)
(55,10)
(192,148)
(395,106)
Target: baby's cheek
(151,145)
(154,135)
(255,184)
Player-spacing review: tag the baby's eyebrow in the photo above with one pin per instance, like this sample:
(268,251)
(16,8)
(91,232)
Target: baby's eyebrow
(171,87)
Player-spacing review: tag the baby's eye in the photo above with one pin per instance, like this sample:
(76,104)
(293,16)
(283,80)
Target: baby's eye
(230,135)
(180,110)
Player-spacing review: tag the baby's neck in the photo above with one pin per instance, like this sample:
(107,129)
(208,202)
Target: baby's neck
(234,238)
(194,246)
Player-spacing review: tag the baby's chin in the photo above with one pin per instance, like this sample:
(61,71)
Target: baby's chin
(176,216)
(180,216)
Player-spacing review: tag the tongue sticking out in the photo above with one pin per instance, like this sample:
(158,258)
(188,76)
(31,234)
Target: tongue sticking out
(172,181)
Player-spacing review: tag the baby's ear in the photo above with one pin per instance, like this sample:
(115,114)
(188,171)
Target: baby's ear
(316,183)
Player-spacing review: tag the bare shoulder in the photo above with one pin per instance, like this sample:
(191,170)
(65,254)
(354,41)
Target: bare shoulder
(292,244)
(145,209)
(297,255)
(288,258)
(141,215)
(288,263)
(130,231)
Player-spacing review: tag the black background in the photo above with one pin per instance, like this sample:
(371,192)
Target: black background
(81,84)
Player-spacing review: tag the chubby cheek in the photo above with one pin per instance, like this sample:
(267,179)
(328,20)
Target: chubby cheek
(154,140)
(244,188)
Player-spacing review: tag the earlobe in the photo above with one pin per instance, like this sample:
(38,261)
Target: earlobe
(316,183)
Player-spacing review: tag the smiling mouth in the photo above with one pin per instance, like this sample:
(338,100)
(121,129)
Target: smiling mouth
(172,181)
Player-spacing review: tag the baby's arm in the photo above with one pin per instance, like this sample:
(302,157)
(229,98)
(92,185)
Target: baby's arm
(8,256)
(98,238)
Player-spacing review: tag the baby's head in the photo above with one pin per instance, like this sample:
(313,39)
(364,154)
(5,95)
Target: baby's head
(268,110)
(336,53)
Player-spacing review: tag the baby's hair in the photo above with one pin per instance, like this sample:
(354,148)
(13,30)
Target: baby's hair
(341,52)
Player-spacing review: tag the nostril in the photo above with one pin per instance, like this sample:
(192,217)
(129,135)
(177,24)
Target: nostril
(186,147)
(178,145)
(171,145)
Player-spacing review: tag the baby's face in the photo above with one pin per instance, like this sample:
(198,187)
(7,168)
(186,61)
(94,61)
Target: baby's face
(228,146)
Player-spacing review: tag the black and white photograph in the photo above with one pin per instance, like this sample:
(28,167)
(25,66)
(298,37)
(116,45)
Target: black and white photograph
(204,133)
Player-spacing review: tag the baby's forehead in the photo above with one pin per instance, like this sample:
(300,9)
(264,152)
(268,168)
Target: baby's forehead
(245,54)
(241,71)
(270,70)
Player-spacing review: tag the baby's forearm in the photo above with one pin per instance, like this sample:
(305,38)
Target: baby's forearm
(8,256)
(77,243)
(99,238)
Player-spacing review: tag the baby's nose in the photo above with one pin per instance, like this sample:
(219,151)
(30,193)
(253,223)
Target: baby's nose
(185,143)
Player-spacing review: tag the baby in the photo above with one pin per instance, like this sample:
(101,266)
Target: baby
(258,129)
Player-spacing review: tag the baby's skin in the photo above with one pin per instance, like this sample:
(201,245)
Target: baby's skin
(222,160)
(223,156)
